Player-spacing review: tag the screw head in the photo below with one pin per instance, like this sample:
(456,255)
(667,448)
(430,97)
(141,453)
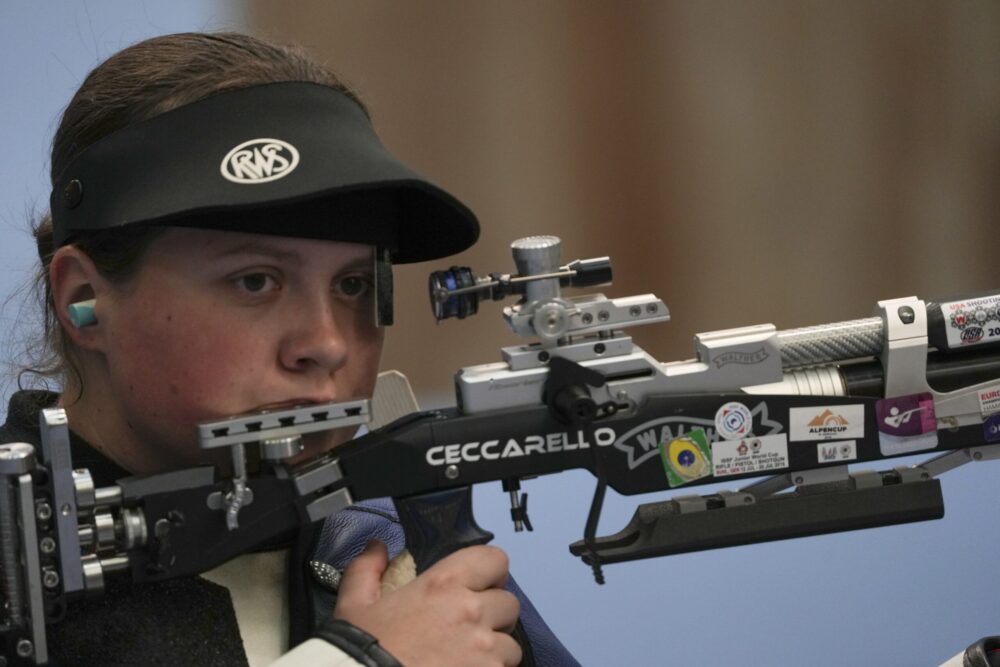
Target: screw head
(652,308)
(43,511)
(587,318)
(543,356)
(599,348)
(799,480)
(50,579)
(906,315)
(635,311)
(73,194)
(604,316)
(47,545)
(451,472)
(25,648)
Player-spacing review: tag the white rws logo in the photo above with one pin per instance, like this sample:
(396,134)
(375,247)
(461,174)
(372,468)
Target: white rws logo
(491,450)
(260,161)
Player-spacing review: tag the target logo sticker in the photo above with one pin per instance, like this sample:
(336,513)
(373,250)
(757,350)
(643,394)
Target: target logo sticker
(733,421)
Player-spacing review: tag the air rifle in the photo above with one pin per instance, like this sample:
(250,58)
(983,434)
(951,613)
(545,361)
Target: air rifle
(788,409)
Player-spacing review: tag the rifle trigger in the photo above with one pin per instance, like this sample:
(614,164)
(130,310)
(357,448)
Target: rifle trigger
(518,505)
(519,514)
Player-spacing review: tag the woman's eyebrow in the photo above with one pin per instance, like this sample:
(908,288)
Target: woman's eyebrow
(259,248)
(357,264)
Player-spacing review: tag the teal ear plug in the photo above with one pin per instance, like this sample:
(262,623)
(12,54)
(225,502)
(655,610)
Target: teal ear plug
(81,313)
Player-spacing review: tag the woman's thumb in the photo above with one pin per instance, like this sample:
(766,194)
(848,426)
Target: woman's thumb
(361,582)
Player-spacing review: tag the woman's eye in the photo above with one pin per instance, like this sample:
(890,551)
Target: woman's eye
(353,286)
(256,283)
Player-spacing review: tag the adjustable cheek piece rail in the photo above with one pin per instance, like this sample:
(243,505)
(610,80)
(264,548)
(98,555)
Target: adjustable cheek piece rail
(798,405)
(61,535)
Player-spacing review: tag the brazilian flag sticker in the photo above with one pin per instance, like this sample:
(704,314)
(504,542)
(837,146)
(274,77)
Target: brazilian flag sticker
(687,458)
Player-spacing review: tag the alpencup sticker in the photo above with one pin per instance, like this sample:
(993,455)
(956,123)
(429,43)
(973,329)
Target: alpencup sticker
(826,422)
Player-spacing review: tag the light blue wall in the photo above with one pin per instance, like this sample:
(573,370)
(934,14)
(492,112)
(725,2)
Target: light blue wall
(46,50)
(911,595)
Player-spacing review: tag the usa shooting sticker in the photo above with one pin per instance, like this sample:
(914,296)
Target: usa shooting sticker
(733,420)
(826,422)
(972,322)
(750,455)
(906,424)
(259,161)
(686,458)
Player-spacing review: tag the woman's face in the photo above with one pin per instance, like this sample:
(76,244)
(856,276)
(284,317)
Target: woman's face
(216,324)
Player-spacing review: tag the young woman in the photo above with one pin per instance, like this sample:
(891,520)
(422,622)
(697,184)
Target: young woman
(219,208)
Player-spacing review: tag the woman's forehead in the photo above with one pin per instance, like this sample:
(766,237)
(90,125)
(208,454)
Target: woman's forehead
(211,244)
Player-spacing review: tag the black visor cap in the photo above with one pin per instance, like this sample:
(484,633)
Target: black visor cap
(307,164)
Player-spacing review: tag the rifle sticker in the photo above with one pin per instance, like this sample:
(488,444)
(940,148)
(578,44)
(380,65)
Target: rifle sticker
(642,443)
(991,428)
(989,400)
(750,455)
(906,424)
(833,452)
(686,458)
(827,422)
(972,322)
(733,421)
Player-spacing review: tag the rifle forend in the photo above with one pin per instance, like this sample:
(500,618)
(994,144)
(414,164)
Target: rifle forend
(802,403)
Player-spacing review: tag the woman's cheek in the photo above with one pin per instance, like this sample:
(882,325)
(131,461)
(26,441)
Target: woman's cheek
(187,364)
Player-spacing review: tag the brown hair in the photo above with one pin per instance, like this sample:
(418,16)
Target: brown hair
(136,84)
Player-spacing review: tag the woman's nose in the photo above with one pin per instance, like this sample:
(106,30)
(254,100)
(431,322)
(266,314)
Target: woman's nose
(315,341)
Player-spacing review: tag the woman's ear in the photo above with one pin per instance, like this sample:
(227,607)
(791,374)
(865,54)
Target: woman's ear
(74,284)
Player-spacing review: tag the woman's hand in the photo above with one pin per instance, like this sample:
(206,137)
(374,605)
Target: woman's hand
(455,613)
